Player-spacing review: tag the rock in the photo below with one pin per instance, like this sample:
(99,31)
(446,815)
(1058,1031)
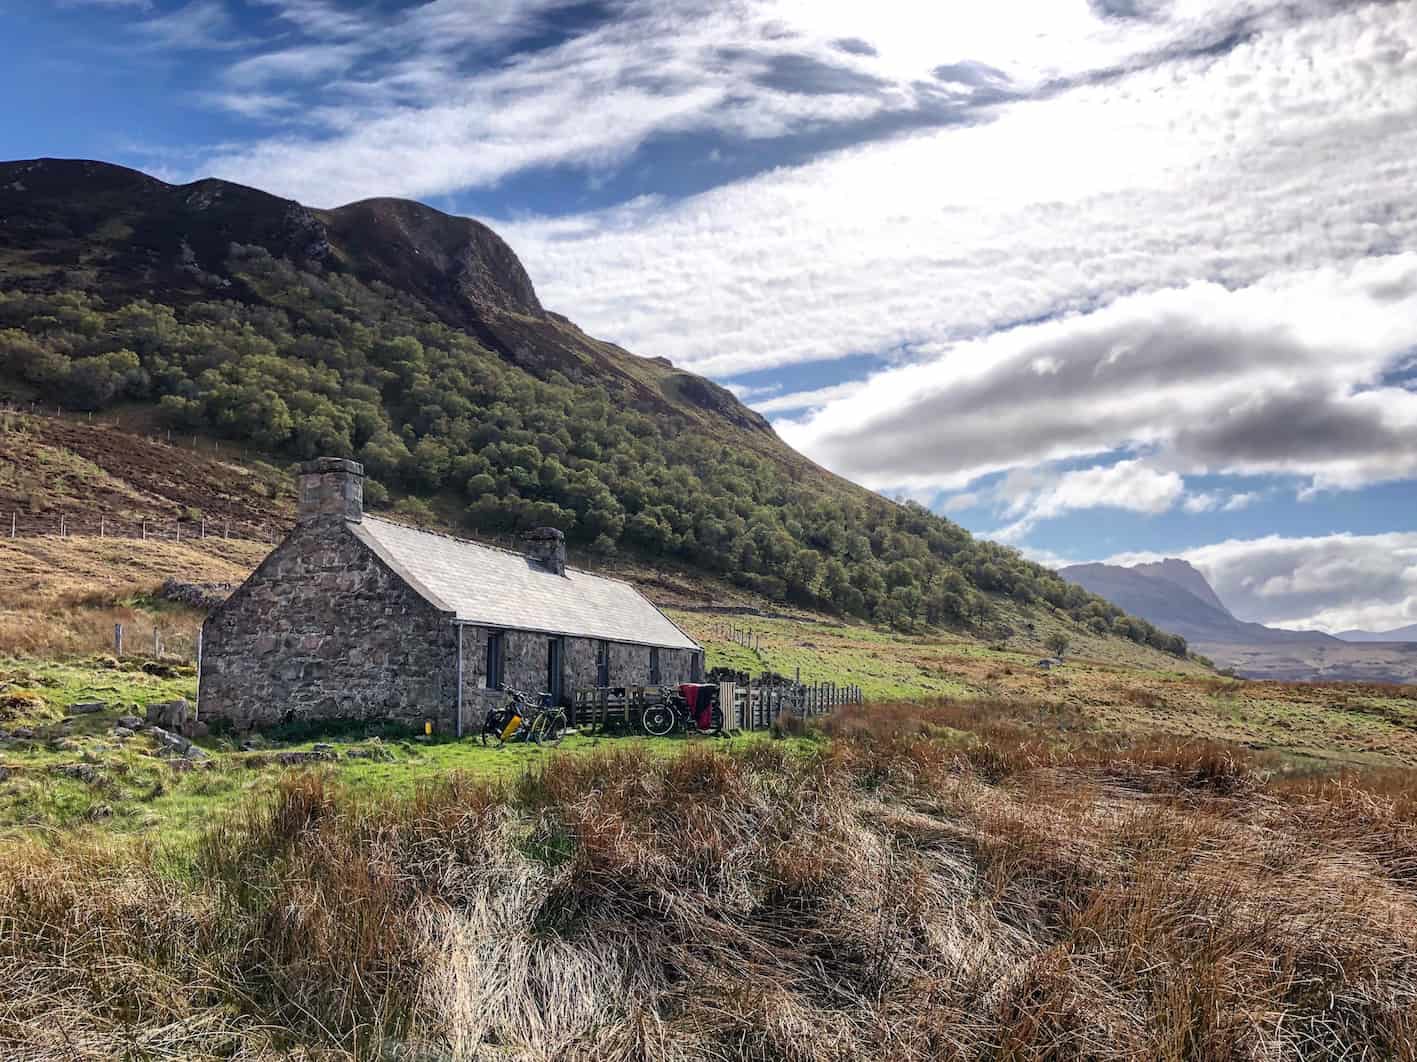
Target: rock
(66,745)
(376,753)
(131,722)
(322,746)
(290,759)
(83,772)
(168,742)
(205,596)
(195,728)
(22,733)
(122,732)
(171,715)
(86,707)
(4,773)
(195,753)
(100,811)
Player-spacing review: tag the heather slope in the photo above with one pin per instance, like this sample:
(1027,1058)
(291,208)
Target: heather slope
(414,342)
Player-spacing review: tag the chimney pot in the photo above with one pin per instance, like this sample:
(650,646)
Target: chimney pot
(331,486)
(546,546)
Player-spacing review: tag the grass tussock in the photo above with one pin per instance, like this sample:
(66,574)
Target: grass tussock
(947,882)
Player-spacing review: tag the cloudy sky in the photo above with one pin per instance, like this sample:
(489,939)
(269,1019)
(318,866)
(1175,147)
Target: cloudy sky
(1096,278)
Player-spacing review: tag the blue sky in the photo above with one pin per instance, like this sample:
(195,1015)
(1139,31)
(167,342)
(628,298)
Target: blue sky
(1097,278)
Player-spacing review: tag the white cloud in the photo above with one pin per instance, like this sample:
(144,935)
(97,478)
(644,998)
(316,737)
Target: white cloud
(1280,378)
(1330,582)
(1217,167)
(1132,485)
(809,399)
(959,502)
(1200,503)
(1237,502)
(200,24)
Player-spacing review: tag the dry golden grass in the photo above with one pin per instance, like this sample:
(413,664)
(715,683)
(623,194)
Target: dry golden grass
(62,596)
(957,882)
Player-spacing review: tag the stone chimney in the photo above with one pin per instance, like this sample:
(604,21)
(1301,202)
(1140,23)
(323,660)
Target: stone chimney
(547,546)
(331,486)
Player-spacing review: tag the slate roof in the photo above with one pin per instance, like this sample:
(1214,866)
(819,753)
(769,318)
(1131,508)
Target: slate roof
(493,587)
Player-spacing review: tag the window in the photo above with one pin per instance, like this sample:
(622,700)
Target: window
(602,663)
(496,651)
(696,668)
(555,647)
(654,678)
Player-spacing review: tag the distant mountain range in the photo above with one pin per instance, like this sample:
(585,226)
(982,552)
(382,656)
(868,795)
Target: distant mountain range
(1176,597)
(1399,634)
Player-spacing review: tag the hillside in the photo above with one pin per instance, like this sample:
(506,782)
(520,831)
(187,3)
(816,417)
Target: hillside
(414,342)
(1399,634)
(1188,607)
(1176,597)
(1183,574)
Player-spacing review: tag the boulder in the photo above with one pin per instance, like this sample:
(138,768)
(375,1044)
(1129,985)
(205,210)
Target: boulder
(169,743)
(85,707)
(22,733)
(122,732)
(83,772)
(132,722)
(194,753)
(170,715)
(195,728)
(4,773)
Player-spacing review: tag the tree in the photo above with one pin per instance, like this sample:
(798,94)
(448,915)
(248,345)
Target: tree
(1057,643)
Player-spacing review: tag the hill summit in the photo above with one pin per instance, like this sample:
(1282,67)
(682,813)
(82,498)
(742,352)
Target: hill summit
(414,342)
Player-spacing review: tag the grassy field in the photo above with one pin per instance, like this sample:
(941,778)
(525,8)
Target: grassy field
(977,880)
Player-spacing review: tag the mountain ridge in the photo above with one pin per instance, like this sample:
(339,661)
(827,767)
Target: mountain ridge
(1397,634)
(414,341)
(1161,593)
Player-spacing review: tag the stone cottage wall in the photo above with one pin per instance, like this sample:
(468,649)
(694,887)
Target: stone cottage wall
(323,629)
(676,666)
(524,668)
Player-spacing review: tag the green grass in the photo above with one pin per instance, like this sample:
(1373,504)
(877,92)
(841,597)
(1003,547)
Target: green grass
(76,775)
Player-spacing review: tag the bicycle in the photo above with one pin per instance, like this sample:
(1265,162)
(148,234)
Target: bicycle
(523,719)
(692,707)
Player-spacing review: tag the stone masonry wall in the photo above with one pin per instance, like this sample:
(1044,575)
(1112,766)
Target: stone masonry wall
(524,668)
(322,630)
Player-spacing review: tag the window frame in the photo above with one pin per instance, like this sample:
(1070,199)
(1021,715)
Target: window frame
(602,663)
(496,662)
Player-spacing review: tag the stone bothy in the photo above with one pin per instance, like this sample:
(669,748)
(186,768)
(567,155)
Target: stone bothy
(354,617)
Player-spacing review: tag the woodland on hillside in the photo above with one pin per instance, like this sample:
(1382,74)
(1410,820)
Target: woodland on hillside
(300,365)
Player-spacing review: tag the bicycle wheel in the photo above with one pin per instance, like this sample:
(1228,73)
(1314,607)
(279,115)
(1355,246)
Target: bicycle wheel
(551,728)
(492,731)
(658,720)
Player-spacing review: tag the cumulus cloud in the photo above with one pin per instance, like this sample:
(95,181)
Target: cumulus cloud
(1293,149)
(1132,485)
(813,399)
(1285,377)
(1331,582)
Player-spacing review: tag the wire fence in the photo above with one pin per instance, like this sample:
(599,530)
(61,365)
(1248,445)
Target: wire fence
(17,524)
(130,423)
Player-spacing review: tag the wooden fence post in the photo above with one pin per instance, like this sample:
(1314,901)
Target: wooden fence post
(118,639)
(101,527)
(157,643)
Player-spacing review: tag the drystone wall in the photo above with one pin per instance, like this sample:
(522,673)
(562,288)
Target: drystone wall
(323,629)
